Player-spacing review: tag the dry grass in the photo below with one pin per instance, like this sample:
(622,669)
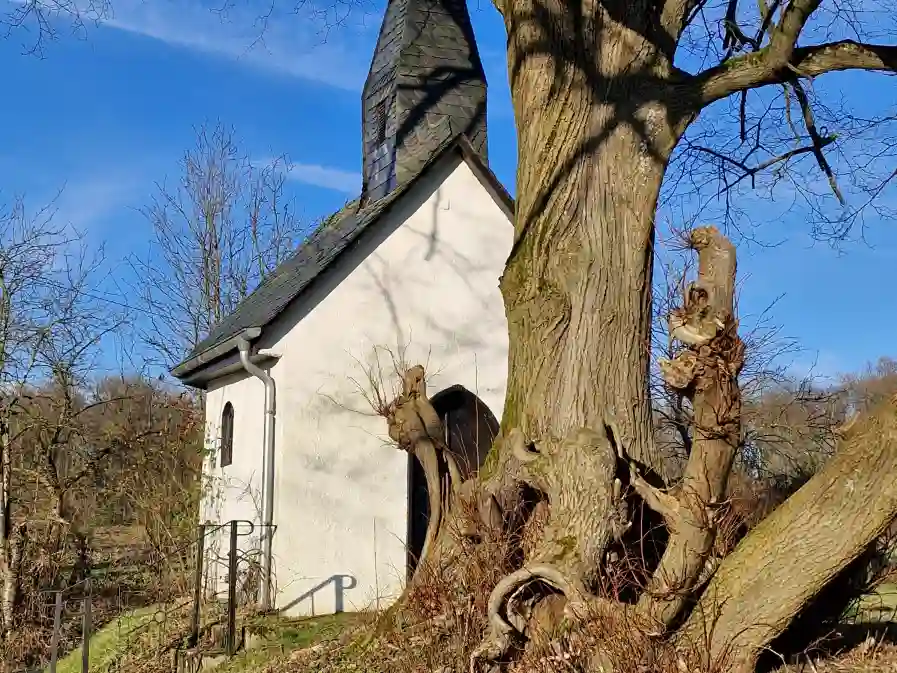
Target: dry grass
(872,656)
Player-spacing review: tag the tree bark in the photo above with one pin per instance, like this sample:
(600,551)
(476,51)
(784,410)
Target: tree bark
(595,133)
(799,548)
(594,138)
(706,372)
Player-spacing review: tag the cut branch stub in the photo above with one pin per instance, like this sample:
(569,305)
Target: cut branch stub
(416,427)
(457,509)
(706,373)
(679,373)
(410,416)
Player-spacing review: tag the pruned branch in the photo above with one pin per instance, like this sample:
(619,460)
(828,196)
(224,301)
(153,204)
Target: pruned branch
(706,372)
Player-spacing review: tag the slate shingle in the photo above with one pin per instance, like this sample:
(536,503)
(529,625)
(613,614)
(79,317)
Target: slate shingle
(426,70)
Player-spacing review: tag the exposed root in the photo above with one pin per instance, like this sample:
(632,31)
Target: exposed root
(578,477)
(505,620)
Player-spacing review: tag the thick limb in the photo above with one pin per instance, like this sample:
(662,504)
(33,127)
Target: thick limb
(794,553)
(706,373)
(416,427)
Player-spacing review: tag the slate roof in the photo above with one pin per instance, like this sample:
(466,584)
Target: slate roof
(426,82)
(334,236)
(425,93)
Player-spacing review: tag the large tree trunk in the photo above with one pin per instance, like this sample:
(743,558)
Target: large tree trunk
(593,144)
(594,140)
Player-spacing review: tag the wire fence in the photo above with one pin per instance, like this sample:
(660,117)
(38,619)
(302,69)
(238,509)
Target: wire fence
(222,564)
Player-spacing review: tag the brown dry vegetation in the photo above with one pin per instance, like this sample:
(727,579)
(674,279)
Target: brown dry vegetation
(105,482)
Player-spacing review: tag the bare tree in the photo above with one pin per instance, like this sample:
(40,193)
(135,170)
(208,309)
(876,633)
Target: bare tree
(41,20)
(51,329)
(216,235)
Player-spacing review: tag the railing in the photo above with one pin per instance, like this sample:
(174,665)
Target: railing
(236,529)
(83,594)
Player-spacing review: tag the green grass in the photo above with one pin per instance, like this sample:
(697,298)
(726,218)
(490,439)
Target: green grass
(107,643)
(281,636)
(880,605)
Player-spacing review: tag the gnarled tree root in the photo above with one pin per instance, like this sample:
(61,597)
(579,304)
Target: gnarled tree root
(578,477)
(505,620)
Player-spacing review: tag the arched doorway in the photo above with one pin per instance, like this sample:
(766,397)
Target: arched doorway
(470,426)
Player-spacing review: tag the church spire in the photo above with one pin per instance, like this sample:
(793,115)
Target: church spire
(426,85)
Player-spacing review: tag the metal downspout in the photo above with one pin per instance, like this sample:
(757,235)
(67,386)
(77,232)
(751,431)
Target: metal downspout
(268,480)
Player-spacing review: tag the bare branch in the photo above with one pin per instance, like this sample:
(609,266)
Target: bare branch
(751,171)
(818,141)
(767,67)
(216,237)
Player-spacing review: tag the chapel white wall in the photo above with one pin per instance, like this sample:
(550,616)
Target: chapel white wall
(232,493)
(429,292)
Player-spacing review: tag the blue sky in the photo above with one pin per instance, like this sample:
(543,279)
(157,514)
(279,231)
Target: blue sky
(107,114)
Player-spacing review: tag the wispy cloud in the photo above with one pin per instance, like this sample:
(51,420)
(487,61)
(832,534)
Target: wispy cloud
(317,175)
(825,367)
(89,203)
(329,178)
(293,44)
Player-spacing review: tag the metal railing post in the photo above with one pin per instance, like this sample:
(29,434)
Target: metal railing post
(232,591)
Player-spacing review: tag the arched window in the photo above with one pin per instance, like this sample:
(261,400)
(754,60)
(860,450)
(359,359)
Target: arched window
(227,435)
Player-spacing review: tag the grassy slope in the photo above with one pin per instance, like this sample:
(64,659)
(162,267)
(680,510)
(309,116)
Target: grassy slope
(286,636)
(107,643)
(282,636)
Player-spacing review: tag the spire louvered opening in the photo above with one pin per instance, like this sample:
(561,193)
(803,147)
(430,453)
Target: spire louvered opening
(426,82)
